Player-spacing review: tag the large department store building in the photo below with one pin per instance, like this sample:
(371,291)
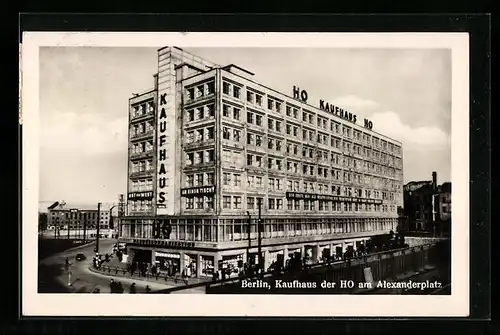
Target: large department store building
(208,143)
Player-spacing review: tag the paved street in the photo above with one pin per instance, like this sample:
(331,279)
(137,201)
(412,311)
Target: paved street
(54,279)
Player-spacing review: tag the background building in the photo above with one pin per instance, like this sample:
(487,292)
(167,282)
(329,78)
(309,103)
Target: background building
(427,206)
(207,144)
(74,216)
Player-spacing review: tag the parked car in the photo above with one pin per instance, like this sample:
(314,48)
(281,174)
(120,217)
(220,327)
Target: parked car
(80,257)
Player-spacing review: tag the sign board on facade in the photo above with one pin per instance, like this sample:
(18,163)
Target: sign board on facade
(140,195)
(166,255)
(313,196)
(197,190)
(160,242)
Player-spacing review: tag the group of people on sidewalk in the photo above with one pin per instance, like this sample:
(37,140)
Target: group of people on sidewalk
(117,287)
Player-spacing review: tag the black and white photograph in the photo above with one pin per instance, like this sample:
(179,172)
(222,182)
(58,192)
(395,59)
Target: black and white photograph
(246,169)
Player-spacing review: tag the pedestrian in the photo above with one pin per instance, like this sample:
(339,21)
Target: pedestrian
(148,289)
(112,286)
(132,288)
(120,288)
(66,264)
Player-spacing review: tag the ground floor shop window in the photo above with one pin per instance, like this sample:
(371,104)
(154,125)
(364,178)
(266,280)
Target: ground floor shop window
(207,265)
(232,265)
(190,265)
(168,262)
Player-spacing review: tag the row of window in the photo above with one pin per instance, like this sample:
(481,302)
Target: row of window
(200,179)
(276,203)
(142,147)
(141,185)
(142,166)
(140,205)
(200,112)
(200,135)
(237,229)
(257,161)
(200,90)
(308,152)
(78,215)
(142,128)
(145,108)
(200,157)
(275,105)
(200,202)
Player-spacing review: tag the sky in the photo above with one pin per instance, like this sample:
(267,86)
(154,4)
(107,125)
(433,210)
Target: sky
(84,94)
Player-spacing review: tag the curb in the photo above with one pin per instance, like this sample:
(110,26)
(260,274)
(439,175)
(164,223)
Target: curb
(120,275)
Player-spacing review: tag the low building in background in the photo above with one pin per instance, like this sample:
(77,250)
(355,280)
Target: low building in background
(73,216)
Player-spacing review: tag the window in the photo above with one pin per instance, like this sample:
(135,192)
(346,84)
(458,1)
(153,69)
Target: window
(270,123)
(199,179)
(226,178)
(226,202)
(278,126)
(225,133)
(225,87)
(278,145)
(250,203)
(270,144)
(225,110)
(210,156)
(288,129)
(250,139)
(237,180)
(270,104)
(250,96)
(210,178)
(271,203)
(290,204)
(210,133)
(258,120)
(249,117)
(295,131)
(249,159)
(289,185)
(279,204)
(209,201)
(304,116)
(189,203)
(236,135)
(237,202)
(258,182)
(236,92)
(258,140)
(199,202)
(189,158)
(211,87)
(297,205)
(288,111)
(258,99)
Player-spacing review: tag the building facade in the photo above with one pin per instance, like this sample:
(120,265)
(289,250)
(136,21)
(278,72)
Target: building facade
(208,144)
(427,205)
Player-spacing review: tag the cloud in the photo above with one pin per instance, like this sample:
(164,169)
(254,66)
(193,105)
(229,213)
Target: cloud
(86,133)
(390,124)
(355,103)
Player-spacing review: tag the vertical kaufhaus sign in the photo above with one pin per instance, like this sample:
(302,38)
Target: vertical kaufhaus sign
(165,140)
(330,108)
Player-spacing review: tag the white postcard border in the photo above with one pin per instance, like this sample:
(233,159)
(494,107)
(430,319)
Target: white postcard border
(456,304)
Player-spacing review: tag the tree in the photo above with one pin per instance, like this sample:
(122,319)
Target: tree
(42,221)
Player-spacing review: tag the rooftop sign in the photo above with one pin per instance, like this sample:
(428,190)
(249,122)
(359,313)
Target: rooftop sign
(330,108)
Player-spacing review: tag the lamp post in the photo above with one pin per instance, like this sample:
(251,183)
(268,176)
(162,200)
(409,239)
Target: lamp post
(259,228)
(249,230)
(98,224)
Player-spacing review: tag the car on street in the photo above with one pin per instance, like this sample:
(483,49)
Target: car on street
(80,257)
